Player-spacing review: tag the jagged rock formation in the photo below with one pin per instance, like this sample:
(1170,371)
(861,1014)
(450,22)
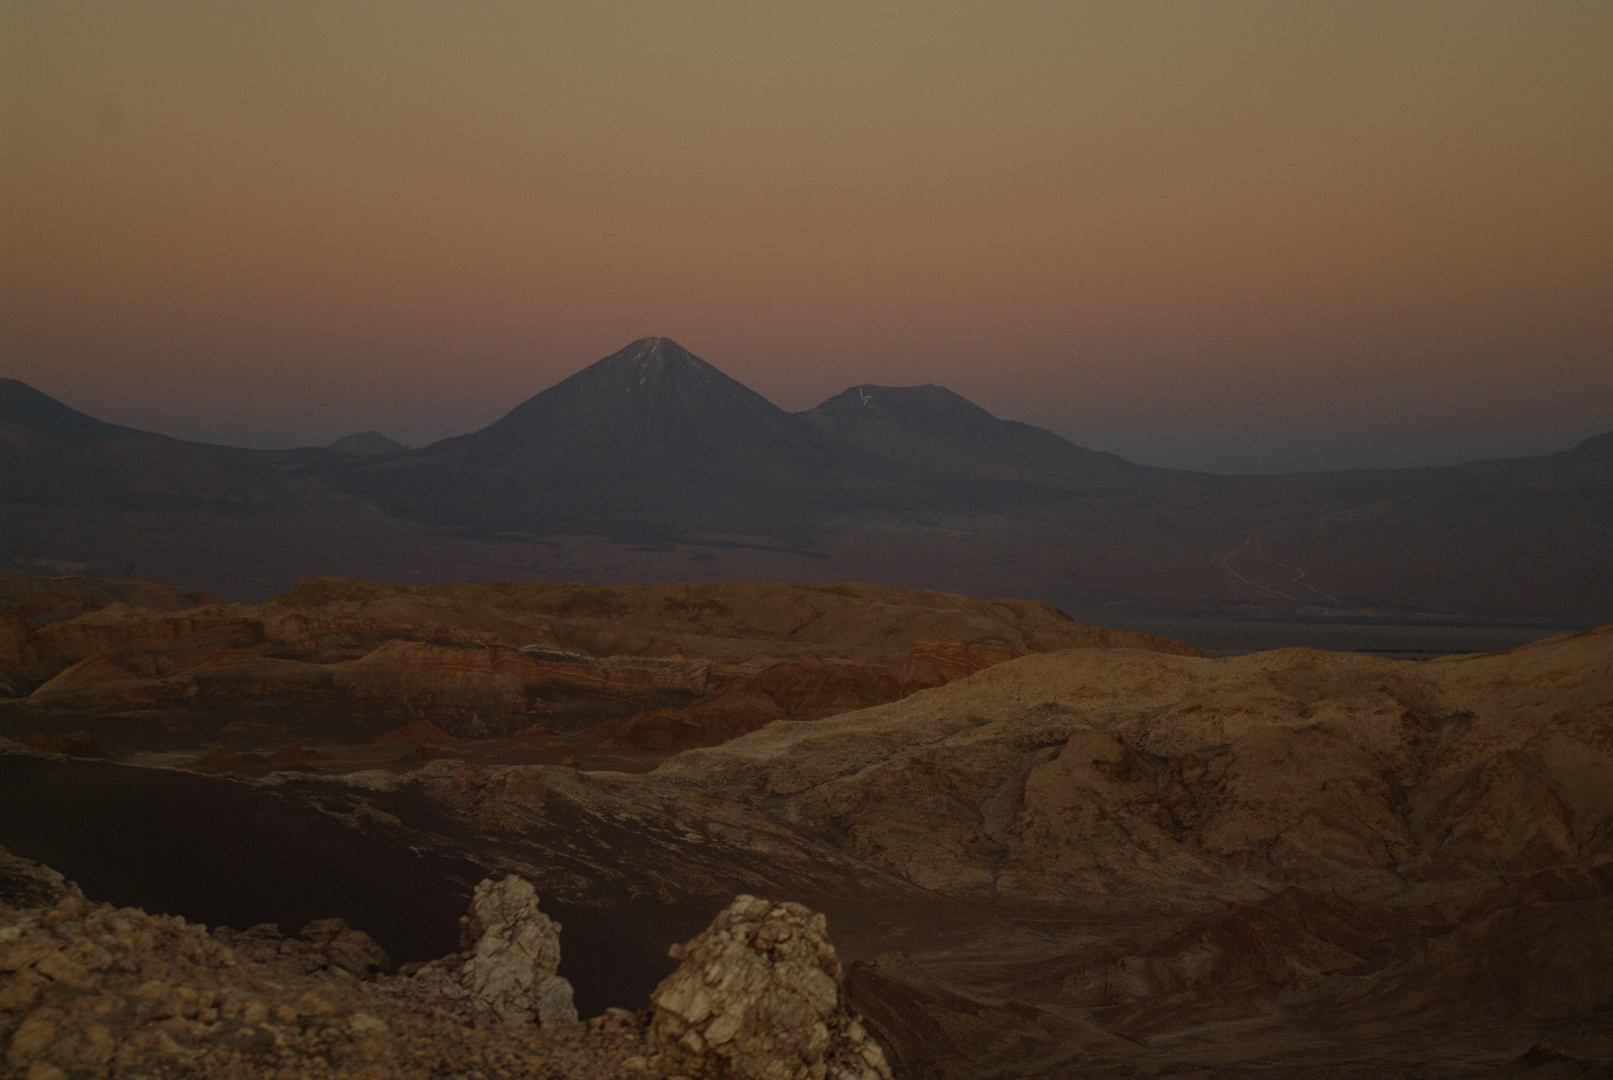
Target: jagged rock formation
(512,954)
(758,997)
(90,990)
(96,991)
(1125,862)
(1112,862)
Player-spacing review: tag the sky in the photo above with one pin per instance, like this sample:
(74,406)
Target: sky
(1241,237)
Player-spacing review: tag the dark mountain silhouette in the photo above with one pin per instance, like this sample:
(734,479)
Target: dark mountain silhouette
(1596,448)
(25,407)
(652,465)
(54,455)
(650,406)
(650,428)
(931,427)
(367,444)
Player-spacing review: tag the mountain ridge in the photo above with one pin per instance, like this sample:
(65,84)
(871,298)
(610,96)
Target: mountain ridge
(36,411)
(652,465)
(930,426)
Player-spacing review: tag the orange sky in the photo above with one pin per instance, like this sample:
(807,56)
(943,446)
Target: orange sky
(1236,236)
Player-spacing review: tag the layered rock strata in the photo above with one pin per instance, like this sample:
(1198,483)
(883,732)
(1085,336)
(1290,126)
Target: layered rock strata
(489,660)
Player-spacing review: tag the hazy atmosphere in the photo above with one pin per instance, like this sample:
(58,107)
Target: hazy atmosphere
(1241,238)
(818,541)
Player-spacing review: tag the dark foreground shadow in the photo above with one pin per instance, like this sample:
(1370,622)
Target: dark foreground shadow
(221,853)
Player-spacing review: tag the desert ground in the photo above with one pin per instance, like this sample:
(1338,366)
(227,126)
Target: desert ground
(1043,848)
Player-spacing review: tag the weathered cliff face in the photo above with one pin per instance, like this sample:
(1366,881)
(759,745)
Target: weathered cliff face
(486,660)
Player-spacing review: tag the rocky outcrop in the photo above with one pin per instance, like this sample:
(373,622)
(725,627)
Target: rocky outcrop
(152,642)
(88,990)
(26,884)
(759,997)
(323,945)
(507,971)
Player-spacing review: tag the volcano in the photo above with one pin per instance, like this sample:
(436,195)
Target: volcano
(933,428)
(650,428)
(652,409)
(23,406)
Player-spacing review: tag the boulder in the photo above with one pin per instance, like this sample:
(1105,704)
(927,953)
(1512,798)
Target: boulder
(759,997)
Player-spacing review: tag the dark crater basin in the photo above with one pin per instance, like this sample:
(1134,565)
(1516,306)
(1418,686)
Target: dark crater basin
(223,853)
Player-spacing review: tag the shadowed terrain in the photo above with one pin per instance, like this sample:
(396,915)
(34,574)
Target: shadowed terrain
(651,466)
(1120,862)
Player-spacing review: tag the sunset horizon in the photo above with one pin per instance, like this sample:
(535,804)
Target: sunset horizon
(1250,238)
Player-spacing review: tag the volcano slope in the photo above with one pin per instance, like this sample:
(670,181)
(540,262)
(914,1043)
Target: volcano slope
(1117,862)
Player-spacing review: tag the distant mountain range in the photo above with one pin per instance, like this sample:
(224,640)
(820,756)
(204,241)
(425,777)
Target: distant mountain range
(652,464)
(654,436)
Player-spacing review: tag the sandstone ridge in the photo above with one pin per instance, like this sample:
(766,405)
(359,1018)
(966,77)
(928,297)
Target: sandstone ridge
(491,660)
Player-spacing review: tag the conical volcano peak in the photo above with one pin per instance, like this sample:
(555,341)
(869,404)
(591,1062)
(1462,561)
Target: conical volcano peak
(649,362)
(626,419)
(651,350)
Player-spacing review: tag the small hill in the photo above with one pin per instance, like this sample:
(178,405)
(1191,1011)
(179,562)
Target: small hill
(367,444)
